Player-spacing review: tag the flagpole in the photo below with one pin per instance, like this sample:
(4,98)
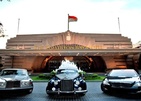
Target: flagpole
(119,24)
(68,22)
(18,25)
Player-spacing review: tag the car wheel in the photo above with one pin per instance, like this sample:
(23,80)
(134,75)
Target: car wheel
(105,90)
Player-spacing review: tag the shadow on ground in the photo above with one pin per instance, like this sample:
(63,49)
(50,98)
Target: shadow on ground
(6,95)
(124,95)
(65,97)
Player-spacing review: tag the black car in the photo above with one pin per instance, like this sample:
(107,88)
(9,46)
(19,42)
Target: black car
(122,80)
(67,81)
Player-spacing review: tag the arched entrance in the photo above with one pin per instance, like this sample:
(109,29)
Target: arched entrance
(98,64)
(88,64)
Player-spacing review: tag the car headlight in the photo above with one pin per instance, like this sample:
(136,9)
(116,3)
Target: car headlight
(79,88)
(2,84)
(53,89)
(138,84)
(55,82)
(77,82)
(26,83)
(105,82)
(52,81)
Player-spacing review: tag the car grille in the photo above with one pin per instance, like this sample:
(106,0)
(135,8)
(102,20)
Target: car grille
(11,84)
(122,84)
(66,85)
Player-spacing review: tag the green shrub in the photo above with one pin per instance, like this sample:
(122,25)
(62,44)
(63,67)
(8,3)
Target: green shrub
(86,76)
(45,76)
(93,76)
(82,73)
(42,76)
(52,73)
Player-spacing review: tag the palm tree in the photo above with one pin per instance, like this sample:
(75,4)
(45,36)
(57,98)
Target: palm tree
(1,30)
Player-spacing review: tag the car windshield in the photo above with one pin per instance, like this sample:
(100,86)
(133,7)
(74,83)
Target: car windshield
(67,71)
(13,72)
(123,73)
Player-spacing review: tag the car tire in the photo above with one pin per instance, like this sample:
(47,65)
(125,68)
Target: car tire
(105,90)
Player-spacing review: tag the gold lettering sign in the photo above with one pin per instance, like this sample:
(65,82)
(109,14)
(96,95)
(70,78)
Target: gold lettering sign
(65,47)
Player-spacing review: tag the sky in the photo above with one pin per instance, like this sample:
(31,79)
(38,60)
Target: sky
(51,16)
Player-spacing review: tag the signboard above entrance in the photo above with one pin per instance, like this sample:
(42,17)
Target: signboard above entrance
(68,46)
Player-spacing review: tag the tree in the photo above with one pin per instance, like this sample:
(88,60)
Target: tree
(1,30)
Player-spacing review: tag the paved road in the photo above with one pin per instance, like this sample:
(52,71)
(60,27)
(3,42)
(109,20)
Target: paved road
(94,94)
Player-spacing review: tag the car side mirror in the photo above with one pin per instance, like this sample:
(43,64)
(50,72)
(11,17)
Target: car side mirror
(106,74)
(29,74)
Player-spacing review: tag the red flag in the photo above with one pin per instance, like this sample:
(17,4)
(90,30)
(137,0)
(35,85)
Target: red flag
(72,18)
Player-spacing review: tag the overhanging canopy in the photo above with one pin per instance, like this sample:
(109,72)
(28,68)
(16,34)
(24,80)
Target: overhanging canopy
(84,52)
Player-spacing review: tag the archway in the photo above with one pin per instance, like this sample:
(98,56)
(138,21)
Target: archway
(88,64)
(55,61)
(98,64)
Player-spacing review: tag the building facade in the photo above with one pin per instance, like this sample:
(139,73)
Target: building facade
(92,52)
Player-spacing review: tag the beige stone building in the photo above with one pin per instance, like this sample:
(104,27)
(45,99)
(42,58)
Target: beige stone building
(92,52)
